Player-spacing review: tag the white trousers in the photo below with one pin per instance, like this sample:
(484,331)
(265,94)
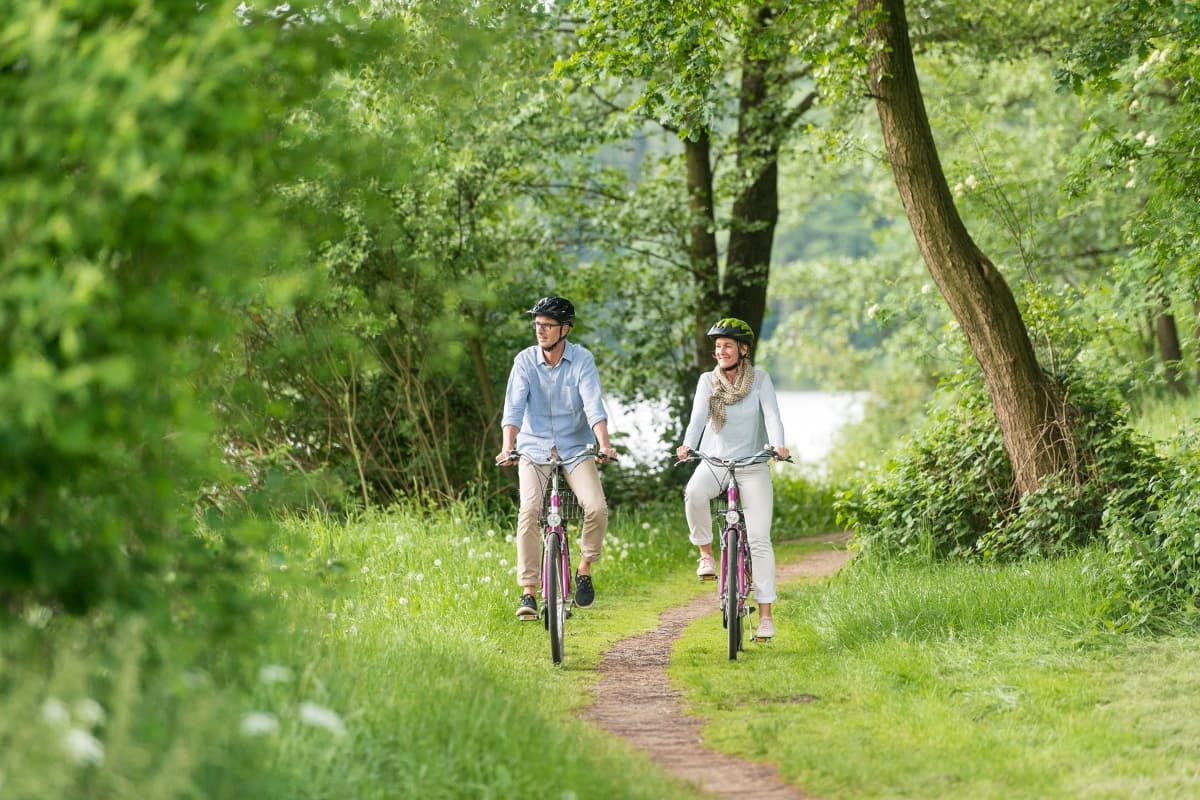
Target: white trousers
(584,480)
(754,489)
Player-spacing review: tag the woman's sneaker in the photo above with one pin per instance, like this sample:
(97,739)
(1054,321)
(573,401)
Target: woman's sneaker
(766,628)
(527,610)
(707,568)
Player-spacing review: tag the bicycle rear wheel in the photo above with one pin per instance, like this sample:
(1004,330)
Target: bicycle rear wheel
(733,621)
(556,608)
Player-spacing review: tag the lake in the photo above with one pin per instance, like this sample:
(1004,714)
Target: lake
(811,419)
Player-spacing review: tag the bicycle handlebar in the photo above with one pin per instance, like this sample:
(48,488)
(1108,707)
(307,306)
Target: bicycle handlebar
(766,454)
(514,455)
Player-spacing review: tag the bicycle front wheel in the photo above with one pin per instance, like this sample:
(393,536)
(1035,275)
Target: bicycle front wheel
(556,607)
(733,620)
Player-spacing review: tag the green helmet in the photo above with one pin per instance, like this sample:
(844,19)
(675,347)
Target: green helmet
(732,328)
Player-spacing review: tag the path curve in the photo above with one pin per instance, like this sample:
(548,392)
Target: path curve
(634,699)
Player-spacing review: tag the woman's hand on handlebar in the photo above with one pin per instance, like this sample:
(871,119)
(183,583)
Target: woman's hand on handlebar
(506,458)
(682,452)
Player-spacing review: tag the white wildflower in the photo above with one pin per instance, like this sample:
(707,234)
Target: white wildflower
(645,526)
(319,716)
(402,601)
(437,562)
(89,712)
(872,310)
(82,747)
(365,569)
(54,711)
(504,562)
(490,533)
(1151,141)
(259,723)
(972,182)
(274,673)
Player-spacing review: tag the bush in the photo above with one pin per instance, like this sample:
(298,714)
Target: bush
(1150,575)
(949,493)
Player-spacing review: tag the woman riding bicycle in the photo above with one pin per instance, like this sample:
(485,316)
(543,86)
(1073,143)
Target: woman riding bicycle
(736,411)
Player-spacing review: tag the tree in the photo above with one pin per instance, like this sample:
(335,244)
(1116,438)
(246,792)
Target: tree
(671,61)
(1033,416)
(141,146)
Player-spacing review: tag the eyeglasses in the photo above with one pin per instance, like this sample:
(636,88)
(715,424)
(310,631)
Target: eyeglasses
(547,326)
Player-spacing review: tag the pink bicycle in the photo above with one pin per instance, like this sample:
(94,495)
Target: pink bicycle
(734,576)
(560,505)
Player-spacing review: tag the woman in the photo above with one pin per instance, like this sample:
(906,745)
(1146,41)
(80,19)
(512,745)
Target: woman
(736,410)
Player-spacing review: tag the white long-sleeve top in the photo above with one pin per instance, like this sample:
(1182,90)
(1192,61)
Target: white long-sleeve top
(750,423)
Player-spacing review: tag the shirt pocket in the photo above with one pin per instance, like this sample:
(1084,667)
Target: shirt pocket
(567,400)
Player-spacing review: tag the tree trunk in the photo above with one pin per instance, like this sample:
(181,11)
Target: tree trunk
(703,248)
(756,207)
(1029,406)
(1169,349)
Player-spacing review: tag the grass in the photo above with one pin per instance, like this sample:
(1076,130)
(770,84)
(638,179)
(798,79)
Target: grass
(381,659)
(956,682)
(385,662)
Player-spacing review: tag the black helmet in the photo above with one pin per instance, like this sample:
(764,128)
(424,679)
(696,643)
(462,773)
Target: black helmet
(557,308)
(732,328)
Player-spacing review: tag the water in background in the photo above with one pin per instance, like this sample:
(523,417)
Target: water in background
(811,419)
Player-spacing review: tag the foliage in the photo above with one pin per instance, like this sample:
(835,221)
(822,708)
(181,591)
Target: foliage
(139,143)
(1149,578)
(386,375)
(364,627)
(804,504)
(949,494)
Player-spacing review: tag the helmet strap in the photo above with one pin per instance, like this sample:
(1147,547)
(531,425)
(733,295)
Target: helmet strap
(561,337)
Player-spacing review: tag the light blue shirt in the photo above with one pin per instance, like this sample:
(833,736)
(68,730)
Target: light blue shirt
(553,407)
(750,423)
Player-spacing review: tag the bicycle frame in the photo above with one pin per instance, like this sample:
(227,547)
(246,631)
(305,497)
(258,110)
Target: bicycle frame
(733,542)
(733,535)
(557,577)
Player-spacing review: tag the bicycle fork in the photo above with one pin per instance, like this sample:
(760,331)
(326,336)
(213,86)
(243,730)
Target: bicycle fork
(555,527)
(734,521)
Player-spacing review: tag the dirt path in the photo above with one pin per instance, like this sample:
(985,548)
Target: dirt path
(634,699)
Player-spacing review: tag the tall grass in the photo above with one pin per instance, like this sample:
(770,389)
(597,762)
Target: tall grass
(385,662)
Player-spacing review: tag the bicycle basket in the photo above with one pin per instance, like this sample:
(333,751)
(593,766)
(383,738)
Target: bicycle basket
(568,503)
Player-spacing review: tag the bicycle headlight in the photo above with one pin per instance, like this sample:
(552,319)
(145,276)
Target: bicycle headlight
(553,519)
(732,516)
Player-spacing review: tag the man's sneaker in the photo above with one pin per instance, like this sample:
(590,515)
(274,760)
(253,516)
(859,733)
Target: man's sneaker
(707,568)
(527,610)
(585,593)
(766,628)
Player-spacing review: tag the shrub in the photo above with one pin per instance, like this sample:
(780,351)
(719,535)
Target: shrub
(949,493)
(1150,574)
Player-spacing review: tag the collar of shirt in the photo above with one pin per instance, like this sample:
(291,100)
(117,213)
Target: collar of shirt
(568,352)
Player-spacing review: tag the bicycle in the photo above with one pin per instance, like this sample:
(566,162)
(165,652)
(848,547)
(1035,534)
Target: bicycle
(561,505)
(735,575)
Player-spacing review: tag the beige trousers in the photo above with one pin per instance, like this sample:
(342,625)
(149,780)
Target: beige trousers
(584,480)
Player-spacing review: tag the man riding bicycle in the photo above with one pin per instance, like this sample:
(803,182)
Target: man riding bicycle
(554,406)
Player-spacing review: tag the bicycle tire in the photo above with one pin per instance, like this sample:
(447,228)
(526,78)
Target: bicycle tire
(733,621)
(556,609)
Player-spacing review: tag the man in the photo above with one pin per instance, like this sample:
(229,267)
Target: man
(553,405)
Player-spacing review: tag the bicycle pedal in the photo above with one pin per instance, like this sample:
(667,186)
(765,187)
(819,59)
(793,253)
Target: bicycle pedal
(706,578)
(762,639)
